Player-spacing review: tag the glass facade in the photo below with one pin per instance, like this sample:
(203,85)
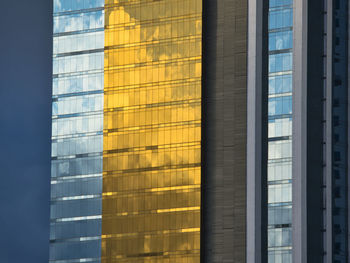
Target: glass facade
(152,131)
(127,128)
(280,33)
(77,127)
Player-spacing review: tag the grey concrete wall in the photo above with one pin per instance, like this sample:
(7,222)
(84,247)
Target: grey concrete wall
(224,104)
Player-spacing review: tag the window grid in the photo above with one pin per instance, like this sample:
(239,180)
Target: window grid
(77,128)
(152,131)
(280,131)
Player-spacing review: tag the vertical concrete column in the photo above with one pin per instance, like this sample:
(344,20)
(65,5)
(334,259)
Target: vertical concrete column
(257,132)
(299,166)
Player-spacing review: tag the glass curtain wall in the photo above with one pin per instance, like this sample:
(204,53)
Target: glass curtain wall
(340,131)
(77,124)
(152,131)
(280,31)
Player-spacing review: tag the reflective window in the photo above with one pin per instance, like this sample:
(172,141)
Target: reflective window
(77,22)
(79,42)
(280,84)
(280,40)
(74,5)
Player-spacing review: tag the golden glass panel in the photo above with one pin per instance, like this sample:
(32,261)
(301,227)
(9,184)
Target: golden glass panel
(152,131)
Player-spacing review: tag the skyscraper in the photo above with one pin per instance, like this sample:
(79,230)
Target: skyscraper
(200,131)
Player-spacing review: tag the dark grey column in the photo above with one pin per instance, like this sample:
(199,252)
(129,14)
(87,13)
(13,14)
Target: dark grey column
(257,132)
(224,103)
(307,131)
(348,165)
(348,221)
(339,134)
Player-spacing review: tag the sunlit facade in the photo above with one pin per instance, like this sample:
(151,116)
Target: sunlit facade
(152,131)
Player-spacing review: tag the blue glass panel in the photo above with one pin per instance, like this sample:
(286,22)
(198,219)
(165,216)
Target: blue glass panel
(77,125)
(280,131)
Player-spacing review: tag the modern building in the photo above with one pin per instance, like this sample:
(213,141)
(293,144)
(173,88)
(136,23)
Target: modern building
(200,131)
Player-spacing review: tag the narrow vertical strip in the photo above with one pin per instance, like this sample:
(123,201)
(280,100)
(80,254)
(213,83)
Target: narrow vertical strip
(339,131)
(257,132)
(279,176)
(77,123)
(224,131)
(328,238)
(308,116)
(299,165)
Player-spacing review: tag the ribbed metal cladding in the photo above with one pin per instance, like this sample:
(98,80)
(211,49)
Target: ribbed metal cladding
(224,104)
